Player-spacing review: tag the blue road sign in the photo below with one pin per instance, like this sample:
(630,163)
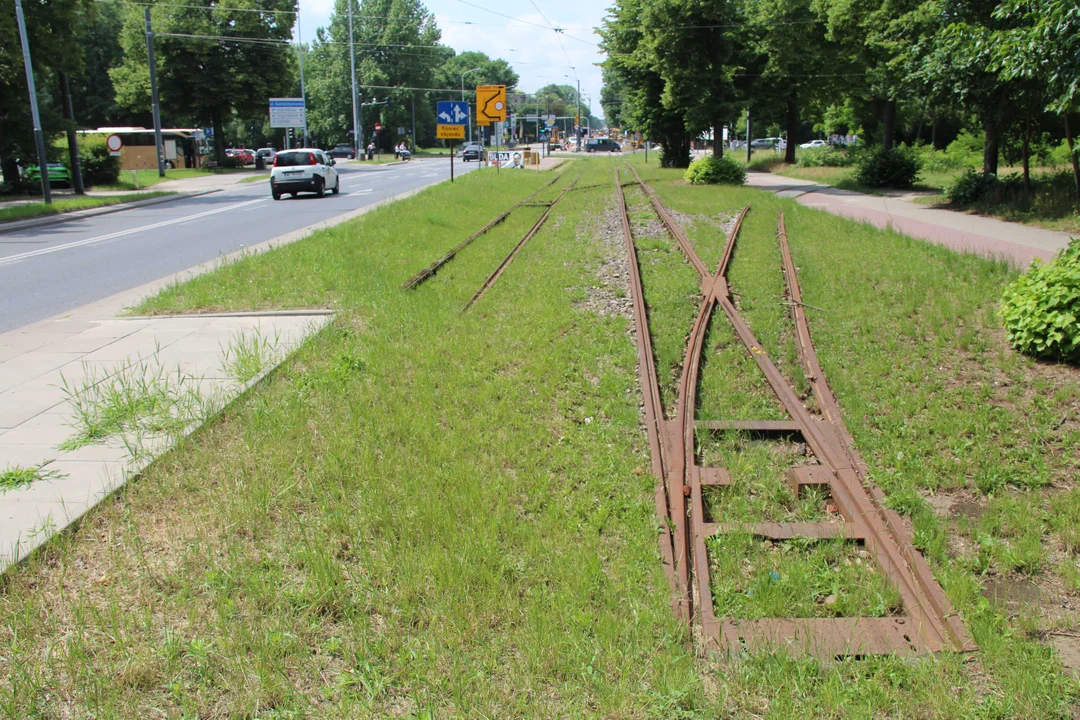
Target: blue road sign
(453,112)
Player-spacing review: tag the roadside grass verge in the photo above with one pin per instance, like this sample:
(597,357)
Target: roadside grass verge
(410,517)
(32,210)
(257,178)
(138,179)
(975,444)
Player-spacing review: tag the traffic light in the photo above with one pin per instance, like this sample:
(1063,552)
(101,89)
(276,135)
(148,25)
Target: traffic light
(389,103)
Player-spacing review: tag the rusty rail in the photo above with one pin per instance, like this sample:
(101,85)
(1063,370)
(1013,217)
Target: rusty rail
(929,622)
(433,268)
(521,243)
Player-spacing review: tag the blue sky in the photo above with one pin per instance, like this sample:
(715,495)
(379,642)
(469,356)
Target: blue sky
(536,52)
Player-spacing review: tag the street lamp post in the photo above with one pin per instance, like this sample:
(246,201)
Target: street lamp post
(39,136)
(357,138)
(577,123)
(463,97)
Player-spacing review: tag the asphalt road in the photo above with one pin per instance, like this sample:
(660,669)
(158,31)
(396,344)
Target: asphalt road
(56,268)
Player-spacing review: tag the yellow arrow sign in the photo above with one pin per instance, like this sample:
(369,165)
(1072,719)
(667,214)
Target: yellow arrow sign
(490,103)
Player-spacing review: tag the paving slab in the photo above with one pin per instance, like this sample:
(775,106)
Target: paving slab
(87,349)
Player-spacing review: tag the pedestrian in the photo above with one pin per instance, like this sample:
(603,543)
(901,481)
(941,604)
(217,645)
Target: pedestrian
(371,151)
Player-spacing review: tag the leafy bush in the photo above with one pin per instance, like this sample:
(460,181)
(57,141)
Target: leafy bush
(1051,194)
(970,187)
(232,162)
(1041,308)
(895,168)
(827,157)
(711,170)
(98,166)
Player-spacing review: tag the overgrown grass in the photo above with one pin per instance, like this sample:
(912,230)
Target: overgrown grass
(939,407)
(430,514)
(15,477)
(249,354)
(32,210)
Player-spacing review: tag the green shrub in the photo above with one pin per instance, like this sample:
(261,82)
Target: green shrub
(827,157)
(711,170)
(98,166)
(970,187)
(1041,308)
(232,162)
(895,168)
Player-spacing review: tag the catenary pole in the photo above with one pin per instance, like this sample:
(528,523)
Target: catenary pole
(357,138)
(72,137)
(39,136)
(303,93)
(156,106)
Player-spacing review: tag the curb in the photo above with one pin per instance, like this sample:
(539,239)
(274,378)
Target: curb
(16,225)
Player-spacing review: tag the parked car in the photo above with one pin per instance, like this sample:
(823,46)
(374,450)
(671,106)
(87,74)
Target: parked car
(602,145)
(243,155)
(765,143)
(58,174)
(471,151)
(343,150)
(814,144)
(303,170)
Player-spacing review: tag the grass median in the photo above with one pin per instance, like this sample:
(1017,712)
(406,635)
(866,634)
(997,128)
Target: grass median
(427,514)
(57,207)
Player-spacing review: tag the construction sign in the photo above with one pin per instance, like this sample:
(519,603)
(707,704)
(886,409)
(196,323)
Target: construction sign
(490,104)
(451,116)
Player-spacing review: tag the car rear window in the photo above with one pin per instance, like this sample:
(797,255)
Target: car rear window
(287,159)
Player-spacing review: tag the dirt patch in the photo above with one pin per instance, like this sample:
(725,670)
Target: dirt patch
(610,296)
(1013,593)
(1068,652)
(958,505)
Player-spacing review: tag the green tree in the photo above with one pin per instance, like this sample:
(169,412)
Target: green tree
(1043,46)
(93,97)
(214,58)
(50,27)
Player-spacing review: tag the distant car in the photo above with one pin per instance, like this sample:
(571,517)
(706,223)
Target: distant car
(602,145)
(814,144)
(243,155)
(303,170)
(471,151)
(765,143)
(58,174)
(343,150)
(267,154)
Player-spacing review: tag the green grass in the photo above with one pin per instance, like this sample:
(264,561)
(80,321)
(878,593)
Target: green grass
(16,477)
(40,209)
(428,514)
(138,179)
(256,178)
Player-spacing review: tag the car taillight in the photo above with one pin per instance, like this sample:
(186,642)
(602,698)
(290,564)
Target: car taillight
(311,159)
(275,162)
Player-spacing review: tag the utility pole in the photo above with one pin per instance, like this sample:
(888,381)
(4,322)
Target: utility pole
(72,138)
(414,145)
(303,93)
(154,96)
(356,125)
(577,130)
(39,137)
(471,138)
(747,136)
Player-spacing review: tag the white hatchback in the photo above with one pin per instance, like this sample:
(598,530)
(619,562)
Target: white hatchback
(303,170)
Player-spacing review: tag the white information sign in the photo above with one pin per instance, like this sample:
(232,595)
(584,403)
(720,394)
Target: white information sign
(287,113)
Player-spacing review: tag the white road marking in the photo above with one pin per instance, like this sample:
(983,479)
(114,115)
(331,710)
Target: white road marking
(101,238)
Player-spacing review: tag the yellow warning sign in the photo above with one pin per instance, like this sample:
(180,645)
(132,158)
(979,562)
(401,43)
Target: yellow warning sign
(450,132)
(490,103)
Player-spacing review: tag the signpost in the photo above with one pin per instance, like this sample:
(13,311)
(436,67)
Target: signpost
(491,108)
(288,113)
(115,144)
(378,127)
(451,116)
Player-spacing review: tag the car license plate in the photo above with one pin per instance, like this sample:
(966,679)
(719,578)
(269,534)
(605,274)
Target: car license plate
(294,173)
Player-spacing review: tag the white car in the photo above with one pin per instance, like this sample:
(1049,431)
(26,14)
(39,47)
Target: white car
(814,144)
(303,170)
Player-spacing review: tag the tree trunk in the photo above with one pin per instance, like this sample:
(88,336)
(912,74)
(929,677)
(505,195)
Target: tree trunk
(8,166)
(888,124)
(792,130)
(219,136)
(933,128)
(718,138)
(1026,150)
(990,148)
(1072,155)
(72,138)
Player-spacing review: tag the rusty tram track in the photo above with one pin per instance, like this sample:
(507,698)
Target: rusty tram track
(928,622)
(433,268)
(493,278)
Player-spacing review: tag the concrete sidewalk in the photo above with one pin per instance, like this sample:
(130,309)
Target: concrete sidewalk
(965,232)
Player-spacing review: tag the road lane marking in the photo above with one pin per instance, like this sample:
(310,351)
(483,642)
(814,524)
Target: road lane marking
(101,238)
